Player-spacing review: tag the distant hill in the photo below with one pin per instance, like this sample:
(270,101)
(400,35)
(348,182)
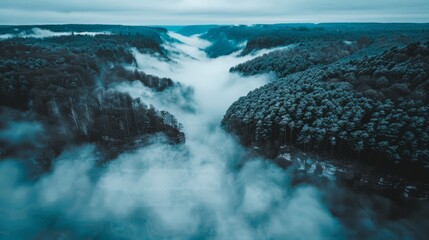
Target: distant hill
(195,29)
(191,29)
(114,29)
(229,39)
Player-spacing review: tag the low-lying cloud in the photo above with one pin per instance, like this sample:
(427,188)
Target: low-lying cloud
(20,132)
(160,192)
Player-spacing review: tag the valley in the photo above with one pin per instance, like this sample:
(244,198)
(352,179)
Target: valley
(311,131)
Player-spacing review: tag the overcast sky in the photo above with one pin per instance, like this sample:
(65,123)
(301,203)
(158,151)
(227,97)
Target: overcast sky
(177,12)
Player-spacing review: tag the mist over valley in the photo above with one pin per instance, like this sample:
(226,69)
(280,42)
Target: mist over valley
(264,131)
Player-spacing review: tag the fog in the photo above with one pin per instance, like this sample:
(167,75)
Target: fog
(44,33)
(20,132)
(210,187)
(162,192)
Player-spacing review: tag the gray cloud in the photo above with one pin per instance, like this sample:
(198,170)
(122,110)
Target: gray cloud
(199,11)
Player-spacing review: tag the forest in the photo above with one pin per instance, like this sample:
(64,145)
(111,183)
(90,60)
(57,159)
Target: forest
(343,90)
(63,84)
(298,58)
(282,131)
(374,109)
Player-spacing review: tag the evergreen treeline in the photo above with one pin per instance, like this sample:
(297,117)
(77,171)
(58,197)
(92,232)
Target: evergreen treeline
(298,58)
(120,74)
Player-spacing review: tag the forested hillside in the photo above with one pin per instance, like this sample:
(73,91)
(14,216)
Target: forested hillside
(298,58)
(371,109)
(62,84)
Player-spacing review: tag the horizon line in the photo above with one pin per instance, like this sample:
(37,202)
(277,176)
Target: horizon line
(217,24)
